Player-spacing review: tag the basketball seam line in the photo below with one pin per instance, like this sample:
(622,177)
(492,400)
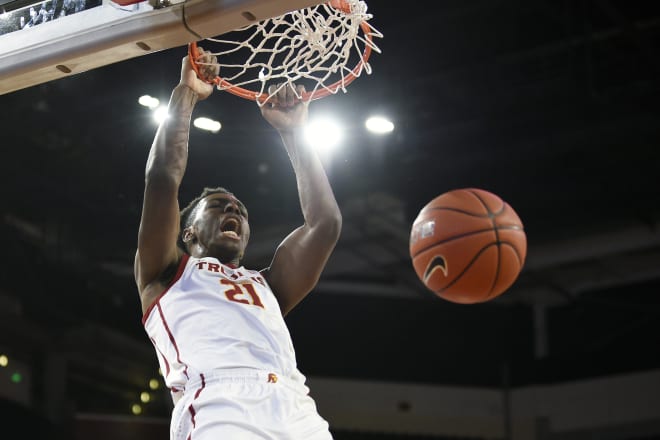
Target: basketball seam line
(518,257)
(456,237)
(497,242)
(476,256)
(471,214)
(494,213)
(465,269)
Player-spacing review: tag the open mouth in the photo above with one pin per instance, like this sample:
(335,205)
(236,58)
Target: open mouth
(230,228)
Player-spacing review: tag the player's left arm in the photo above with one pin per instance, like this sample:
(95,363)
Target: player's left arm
(301,257)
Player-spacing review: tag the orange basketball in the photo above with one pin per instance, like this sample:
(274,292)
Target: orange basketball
(468,246)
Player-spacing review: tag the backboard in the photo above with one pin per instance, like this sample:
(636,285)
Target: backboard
(110,32)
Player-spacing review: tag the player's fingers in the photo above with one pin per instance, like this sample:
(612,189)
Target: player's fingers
(206,64)
(284,95)
(300,91)
(208,73)
(272,95)
(216,66)
(200,53)
(212,67)
(281,95)
(204,57)
(272,90)
(290,95)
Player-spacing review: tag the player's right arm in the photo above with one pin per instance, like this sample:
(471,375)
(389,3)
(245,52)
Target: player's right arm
(159,224)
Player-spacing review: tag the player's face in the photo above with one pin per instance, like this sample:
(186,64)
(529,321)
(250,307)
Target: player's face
(222,226)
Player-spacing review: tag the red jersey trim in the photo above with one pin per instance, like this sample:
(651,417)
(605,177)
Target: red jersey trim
(172,340)
(179,272)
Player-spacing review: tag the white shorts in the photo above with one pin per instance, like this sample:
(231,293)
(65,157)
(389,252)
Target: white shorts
(245,404)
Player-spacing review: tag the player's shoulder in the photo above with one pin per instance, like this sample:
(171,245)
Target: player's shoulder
(265,272)
(150,289)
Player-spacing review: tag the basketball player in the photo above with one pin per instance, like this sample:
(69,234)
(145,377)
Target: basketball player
(218,328)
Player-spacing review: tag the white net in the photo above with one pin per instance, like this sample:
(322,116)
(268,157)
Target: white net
(324,48)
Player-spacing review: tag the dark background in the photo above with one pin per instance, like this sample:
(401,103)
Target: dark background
(551,105)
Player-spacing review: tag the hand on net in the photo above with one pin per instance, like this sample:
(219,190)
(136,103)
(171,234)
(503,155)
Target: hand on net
(199,75)
(285,110)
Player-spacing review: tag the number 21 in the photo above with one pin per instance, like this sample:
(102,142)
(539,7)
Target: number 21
(240,292)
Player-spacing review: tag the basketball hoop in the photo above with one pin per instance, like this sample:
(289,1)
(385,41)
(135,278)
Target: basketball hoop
(314,47)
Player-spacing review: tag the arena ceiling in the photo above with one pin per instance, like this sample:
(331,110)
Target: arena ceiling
(551,105)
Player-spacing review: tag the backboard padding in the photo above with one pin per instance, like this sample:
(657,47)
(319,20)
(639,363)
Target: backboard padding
(107,34)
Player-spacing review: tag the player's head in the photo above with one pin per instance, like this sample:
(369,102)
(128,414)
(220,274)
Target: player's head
(215,224)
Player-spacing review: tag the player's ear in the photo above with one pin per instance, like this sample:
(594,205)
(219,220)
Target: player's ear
(188,235)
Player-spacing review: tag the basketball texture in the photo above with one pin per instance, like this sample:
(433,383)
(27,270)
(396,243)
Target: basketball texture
(468,245)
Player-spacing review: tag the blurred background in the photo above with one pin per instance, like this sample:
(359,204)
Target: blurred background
(552,105)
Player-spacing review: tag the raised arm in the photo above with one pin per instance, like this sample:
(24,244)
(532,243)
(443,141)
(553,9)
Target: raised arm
(301,257)
(159,225)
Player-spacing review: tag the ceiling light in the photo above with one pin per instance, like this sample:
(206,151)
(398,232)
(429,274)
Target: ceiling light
(160,114)
(148,101)
(323,134)
(154,384)
(207,124)
(379,125)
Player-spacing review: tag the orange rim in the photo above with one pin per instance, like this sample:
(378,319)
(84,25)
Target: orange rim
(193,53)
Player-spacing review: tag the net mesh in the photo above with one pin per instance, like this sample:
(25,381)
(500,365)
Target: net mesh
(324,48)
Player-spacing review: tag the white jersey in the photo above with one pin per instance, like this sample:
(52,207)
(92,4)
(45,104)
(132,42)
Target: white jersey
(213,317)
